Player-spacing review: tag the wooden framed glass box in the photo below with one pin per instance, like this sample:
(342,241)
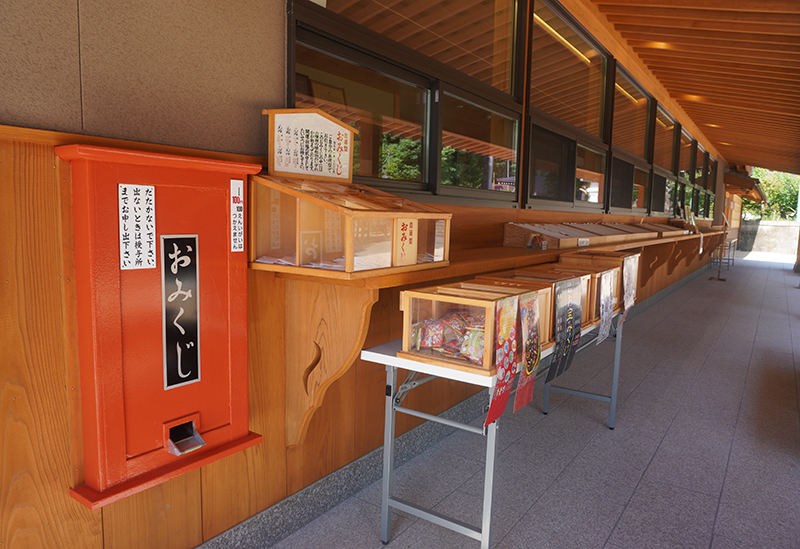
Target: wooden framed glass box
(608,259)
(308,217)
(453,325)
(342,229)
(595,273)
(550,279)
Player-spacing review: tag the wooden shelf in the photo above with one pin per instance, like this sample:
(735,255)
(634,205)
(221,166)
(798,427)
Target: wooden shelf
(472,262)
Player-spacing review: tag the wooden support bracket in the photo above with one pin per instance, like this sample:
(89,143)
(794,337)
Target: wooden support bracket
(652,258)
(326,325)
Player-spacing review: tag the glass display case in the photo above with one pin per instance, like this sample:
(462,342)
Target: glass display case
(307,216)
(453,325)
(333,226)
(539,274)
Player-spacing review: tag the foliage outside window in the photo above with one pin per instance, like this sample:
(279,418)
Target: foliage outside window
(710,205)
(688,194)
(479,147)
(630,116)
(670,201)
(698,202)
(664,140)
(476,38)
(389,113)
(590,169)
(568,72)
(781,189)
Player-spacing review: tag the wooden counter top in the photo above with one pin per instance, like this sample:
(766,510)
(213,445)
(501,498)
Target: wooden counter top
(471,262)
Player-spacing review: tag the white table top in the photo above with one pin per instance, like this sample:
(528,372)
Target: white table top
(387,354)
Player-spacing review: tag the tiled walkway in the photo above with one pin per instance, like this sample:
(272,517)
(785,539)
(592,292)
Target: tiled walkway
(706,450)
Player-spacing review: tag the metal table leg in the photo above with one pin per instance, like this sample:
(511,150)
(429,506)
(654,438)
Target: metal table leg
(388,453)
(612,400)
(488,485)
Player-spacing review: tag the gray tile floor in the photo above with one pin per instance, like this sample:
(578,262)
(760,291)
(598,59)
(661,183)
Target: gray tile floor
(706,450)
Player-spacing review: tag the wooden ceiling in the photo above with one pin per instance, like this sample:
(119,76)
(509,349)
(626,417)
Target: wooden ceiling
(732,65)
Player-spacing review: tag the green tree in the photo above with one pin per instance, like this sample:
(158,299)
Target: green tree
(781,190)
(400,158)
(462,168)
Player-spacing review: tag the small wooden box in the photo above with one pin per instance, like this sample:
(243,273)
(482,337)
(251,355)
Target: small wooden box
(454,325)
(530,275)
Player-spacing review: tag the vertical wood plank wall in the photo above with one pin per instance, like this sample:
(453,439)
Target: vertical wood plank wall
(39,404)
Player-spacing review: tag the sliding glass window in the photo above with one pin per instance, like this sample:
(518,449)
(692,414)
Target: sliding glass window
(389,112)
(671,198)
(664,140)
(700,166)
(567,72)
(663,189)
(552,171)
(590,176)
(479,146)
(629,131)
(641,189)
(685,158)
(475,37)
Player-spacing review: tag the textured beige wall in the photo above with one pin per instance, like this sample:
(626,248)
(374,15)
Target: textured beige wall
(190,73)
(39,68)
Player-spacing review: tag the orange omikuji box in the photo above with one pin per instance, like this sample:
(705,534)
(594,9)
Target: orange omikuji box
(161,287)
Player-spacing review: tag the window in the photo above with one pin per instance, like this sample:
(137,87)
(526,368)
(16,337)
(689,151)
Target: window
(641,186)
(621,183)
(475,38)
(680,199)
(659,201)
(701,166)
(710,205)
(630,115)
(389,113)
(696,199)
(479,147)
(590,167)
(552,166)
(567,72)
(670,197)
(685,158)
(664,140)
(690,200)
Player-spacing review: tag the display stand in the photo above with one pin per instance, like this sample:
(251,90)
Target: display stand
(386,354)
(616,335)
(725,253)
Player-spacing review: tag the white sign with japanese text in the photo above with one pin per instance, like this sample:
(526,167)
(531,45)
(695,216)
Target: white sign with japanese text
(137,226)
(237,215)
(310,144)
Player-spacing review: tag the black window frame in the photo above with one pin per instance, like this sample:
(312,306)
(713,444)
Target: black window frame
(354,43)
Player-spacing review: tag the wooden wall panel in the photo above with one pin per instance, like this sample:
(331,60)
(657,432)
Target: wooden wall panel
(167,515)
(330,441)
(35,388)
(40,411)
(245,483)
